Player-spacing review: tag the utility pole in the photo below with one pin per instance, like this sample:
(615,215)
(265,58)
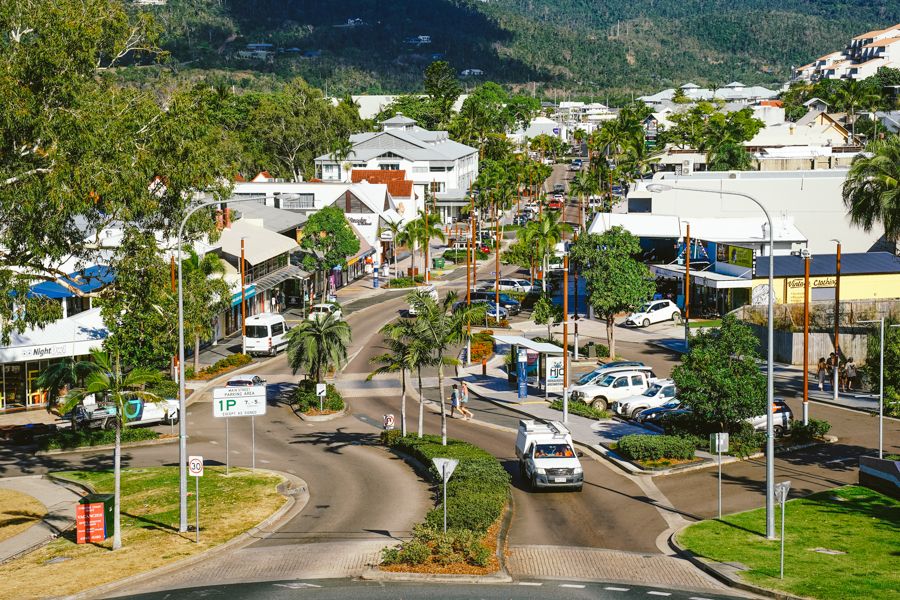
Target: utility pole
(566,338)
(806,259)
(837,320)
(243,299)
(497,260)
(470,254)
(687,288)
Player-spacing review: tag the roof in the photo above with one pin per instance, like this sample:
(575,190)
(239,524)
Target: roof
(397,184)
(518,340)
(714,229)
(858,263)
(875,32)
(260,244)
(74,336)
(87,281)
(711,279)
(399,119)
(884,42)
(273,219)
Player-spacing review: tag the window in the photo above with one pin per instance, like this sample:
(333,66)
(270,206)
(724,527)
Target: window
(668,392)
(389,166)
(77,304)
(637,380)
(621,382)
(277,328)
(438,187)
(257,331)
(296,201)
(437,169)
(359,165)
(420,169)
(331,172)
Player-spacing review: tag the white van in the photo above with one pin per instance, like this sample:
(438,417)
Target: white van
(547,458)
(266,333)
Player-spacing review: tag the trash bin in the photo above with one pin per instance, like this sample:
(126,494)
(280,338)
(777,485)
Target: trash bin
(438,262)
(94,518)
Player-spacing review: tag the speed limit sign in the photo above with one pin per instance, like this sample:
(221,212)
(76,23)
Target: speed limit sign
(388,422)
(195,466)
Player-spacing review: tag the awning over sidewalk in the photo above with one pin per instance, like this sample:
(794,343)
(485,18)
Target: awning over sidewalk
(524,342)
(267,282)
(716,281)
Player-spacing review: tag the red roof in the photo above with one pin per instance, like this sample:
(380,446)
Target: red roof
(771,103)
(376,175)
(239,177)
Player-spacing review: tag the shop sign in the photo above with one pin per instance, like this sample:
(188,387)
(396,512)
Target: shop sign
(795,287)
(43,352)
(735,255)
(387,235)
(554,378)
(361,221)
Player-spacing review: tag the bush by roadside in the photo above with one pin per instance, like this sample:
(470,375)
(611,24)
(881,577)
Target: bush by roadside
(306,401)
(476,496)
(644,447)
(815,430)
(581,409)
(482,345)
(229,363)
(459,256)
(65,439)
(406,282)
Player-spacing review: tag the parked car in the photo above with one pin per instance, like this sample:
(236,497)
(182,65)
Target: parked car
(515,285)
(245,380)
(659,392)
(512,305)
(547,458)
(575,165)
(428,290)
(555,204)
(781,419)
(605,368)
(652,415)
(319,311)
(613,387)
(559,188)
(265,333)
(91,415)
(491,309)
(655,311)
(521,220)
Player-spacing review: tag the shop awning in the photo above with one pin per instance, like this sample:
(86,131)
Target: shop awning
(74,336)
(267,282)
(87,281)
(524,342)
(716,281)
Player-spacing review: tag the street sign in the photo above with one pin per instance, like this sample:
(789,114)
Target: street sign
(321,390)
(446,466)
(388,422)
(195,466)
(554,375)
(718,442)
(522,374)
(781,491)
(245,401)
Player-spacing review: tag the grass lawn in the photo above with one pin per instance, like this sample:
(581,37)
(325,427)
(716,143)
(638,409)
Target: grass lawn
(705,323)
(861,523)
(150,538)
(18,512)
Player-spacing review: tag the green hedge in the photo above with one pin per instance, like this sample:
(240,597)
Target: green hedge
(228,363)
(655,447)
(66,438)
(305,398)
(816,429)
(478,490)
(406,282)
(459,256)
(165,388)
(581,409)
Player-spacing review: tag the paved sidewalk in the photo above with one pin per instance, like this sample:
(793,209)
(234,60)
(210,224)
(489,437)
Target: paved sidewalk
(60,502)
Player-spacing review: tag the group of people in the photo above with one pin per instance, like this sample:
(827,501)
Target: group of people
(847,373)
(459,398)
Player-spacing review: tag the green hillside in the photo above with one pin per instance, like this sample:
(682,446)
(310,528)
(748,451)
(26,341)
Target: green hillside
(613,45)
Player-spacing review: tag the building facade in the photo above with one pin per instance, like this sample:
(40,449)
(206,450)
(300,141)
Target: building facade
(861,58)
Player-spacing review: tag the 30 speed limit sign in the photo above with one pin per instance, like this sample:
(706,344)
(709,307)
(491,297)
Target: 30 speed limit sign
(195,466)
(389,422)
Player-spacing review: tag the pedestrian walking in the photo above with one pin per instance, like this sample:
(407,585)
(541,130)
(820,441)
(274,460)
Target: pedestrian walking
(274,302)
(454,401)
(464,402)
(851,372)
(821,372)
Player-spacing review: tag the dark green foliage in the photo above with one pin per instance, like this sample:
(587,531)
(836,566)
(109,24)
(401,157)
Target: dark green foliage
(305,398)
(164,388)
(232,361)
(328,232)
(816,429)
(406,282)
(581,409)
(65,439)
(655,447)
(459,256)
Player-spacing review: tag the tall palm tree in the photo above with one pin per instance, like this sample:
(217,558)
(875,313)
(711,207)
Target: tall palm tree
(198,271)
(318,345)
(854,94)
(106,380)
(58,378)
(443,328)
(583,185)
(872,188)
(548,233)
(405,353)
(409,237)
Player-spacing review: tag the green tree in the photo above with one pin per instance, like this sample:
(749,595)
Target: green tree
(545,312)
(546,233)
(730,156)
(328,240)
(80,152)
(871,190)
(720,379)
(854,95)
(679,97)
(318,345)
(443,88)
(616,280)
(421,109)
(396,230)
(205,296)
(891,366)
(106,381)
(420,231)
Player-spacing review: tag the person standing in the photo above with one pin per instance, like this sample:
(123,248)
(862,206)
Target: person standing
(464,402)
(274,302)
(850,372)
(821,372)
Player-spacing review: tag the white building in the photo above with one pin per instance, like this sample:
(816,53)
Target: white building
(733,92)
(372,104)
(437,165)
(861,58)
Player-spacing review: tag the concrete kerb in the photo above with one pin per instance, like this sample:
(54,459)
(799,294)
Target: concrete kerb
(323,418)
(725,573)
(293,488)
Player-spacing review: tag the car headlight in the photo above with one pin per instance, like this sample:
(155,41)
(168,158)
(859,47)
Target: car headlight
(540,471)
(578,471)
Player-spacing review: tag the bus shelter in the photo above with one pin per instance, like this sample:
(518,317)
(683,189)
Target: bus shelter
(543,362)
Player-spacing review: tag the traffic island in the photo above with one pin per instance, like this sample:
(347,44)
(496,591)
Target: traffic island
(838,544)
(477,493)
(229,506)
(310,407)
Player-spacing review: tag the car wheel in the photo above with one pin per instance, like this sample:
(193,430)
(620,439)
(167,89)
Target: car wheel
(675,316)
(599,403)
(646,323)
(636,412)
(778,430)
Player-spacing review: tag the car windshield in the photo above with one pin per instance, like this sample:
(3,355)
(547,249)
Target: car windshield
(320,309)
(607,381)
(257,331)
(553,451)
(588,377)
(652,390)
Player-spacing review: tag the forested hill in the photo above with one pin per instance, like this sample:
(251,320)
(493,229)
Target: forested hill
(635,45)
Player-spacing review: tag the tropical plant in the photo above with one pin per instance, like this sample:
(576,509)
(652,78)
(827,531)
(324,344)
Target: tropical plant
(396,229)
(405,353)
(854,94)
(545,312)
(547,233)
(872,188)
(206,295)
(318,346)
(106,381)
(58,378)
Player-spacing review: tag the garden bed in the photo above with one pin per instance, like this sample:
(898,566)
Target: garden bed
(306,402)
(582,410)
(67,439)
(229,363)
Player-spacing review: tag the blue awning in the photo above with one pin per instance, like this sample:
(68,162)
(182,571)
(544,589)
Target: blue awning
(249,292)
(87,281)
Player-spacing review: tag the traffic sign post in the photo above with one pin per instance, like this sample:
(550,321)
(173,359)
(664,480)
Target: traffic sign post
(781,494)
(244,401)
(718,443)
(321,391)
(388,422)
(445,466)
(195,468)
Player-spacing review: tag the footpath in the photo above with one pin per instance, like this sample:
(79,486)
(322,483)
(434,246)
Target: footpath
(60,502)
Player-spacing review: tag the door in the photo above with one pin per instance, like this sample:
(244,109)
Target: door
(637,384)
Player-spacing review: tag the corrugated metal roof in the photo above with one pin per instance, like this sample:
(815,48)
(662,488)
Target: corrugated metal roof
(858,263)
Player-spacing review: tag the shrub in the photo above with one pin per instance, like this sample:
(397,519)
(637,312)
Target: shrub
(581,409)
(165,388)
(406,282)
(481,350)
(815,429)
(655,447)
(228,363)
(746,440)
(501,324)
(459,256)
(305,399)
(455,546)
(79,438)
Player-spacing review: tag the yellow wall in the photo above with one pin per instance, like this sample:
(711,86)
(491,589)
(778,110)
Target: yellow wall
(853,287)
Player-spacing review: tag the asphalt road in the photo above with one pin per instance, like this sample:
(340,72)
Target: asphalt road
(342,589)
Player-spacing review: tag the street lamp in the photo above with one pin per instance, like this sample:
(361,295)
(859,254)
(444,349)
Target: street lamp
(880,386)
(837,319)
(770,385)
(182,420)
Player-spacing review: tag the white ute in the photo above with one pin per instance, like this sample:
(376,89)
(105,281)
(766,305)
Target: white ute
(614,387)
(546,456)
(659,392)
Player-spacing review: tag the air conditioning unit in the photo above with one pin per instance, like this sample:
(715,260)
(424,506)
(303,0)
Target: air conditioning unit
(687,167)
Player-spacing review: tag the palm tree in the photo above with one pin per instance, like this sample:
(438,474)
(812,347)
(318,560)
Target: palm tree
(107,381)
(396,229)
(872,188)
(854,94)
(318,345)
(441,328)
(402,357)
(58,378)
(428,228)
(548,233)
(583,185)
(197,271)
(408,237)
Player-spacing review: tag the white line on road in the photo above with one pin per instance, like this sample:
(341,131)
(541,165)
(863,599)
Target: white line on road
(534,583)
(842,460)
(653,593)
(616,589)
(571,585)
(297,586)
(699,598)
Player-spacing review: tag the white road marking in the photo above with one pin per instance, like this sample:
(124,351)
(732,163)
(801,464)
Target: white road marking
(698,598)
(297,586)
(842,460)
(653,593)
(264,461)
(534,583)
(616,589)
(571,585)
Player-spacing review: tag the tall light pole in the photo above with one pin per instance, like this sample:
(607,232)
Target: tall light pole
(806,258)
(770,373)
(182,420)
(566,338)
(687,288)
(837,319)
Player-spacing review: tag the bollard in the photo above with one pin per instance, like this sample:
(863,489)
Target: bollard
(484,367)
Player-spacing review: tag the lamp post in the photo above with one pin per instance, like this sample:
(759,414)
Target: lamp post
(880,386)
(566,338)
(770,360)
(182,421)
(806,258)
(837,320)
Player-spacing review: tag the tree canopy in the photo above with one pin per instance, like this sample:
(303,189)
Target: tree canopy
(329,239)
